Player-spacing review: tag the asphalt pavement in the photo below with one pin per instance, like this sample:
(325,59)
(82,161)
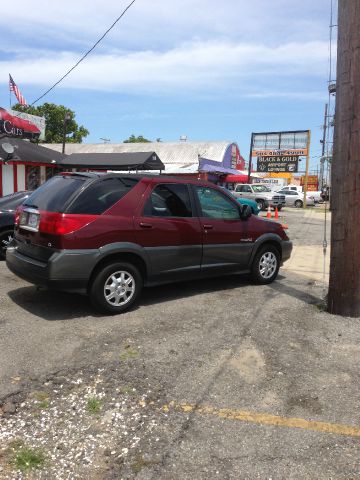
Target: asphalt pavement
(242,381)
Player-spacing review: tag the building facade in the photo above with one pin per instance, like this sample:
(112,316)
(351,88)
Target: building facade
(211,161)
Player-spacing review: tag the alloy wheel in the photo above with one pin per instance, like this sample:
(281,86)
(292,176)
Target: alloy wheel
(119,288)
(267,265)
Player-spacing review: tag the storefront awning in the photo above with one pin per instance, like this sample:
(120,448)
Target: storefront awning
(114,161)
(17,150)
(241,178)
(218,169)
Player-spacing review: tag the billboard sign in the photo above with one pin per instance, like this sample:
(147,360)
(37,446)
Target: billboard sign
(21,125)
(312,183)
(278,164)
(269,144)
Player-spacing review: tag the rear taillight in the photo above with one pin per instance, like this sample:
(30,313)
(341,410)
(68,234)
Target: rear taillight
(62,223)
(17,215)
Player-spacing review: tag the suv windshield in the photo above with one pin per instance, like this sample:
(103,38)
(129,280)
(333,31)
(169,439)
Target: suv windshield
(261,188)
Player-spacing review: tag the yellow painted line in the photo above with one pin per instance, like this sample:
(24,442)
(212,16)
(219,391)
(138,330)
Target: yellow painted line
(265,419)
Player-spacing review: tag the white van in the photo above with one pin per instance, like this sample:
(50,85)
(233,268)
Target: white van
(294,188)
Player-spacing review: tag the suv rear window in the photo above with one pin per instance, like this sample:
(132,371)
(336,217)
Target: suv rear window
(101,195)
(54,195)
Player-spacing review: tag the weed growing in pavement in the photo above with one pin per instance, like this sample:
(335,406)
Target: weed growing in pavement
(28,459)
(141,462)
(126,389)
(128,353)
(42,399)
(322,306)
(93,405)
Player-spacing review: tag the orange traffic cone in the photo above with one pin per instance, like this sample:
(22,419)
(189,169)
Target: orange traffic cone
(276,213)
(268,215)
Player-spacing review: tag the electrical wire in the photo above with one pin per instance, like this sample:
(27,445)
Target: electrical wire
(85,55)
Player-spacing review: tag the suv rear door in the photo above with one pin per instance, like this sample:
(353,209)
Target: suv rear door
(169,230)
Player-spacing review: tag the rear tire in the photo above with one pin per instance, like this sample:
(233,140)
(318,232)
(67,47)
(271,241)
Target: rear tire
(266,264)
(5,239)
(116,287)
(298,204)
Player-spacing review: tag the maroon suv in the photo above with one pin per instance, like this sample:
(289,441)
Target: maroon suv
(108,235)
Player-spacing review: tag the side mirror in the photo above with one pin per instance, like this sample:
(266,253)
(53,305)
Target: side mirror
(245,212)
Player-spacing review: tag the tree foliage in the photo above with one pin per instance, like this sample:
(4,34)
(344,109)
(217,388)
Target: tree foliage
(139,139)
(55,116)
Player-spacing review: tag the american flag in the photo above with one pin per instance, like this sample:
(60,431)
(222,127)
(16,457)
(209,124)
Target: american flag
(14,88)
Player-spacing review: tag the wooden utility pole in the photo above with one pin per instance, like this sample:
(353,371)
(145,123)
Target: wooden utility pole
(323,143)
(307,168)
(344,288)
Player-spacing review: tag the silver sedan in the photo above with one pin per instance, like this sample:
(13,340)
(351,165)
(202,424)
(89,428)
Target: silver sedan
(295,199)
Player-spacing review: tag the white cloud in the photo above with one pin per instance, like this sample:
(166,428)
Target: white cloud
(203,67)
(160,23)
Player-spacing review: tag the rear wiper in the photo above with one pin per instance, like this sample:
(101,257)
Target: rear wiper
(31,206)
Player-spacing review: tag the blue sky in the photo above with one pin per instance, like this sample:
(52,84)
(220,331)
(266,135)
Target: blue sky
(202,68)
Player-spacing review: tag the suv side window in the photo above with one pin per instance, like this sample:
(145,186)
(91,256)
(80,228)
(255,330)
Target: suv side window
(169,200)
(216,205)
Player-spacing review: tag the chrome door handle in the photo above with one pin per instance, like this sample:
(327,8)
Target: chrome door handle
(208,227)
(145,225)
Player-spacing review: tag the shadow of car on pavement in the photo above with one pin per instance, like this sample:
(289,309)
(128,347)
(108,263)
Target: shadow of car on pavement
(53,305)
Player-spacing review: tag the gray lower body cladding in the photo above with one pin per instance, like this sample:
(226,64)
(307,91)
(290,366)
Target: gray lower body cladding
(71,270)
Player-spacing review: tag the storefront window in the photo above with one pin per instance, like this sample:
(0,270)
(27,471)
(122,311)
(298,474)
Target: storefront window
(51,171)
(32,177)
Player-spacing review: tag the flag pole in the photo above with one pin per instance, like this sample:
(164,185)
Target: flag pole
(9,92)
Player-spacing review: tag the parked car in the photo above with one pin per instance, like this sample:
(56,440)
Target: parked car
(262,195)
(317,196)
(295,199)
(245,201)
(255,209)
(8,205)
(295,188)
(108,235)
(310,193)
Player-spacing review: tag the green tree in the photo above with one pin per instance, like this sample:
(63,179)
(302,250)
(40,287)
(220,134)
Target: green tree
(55,117)
(139,139)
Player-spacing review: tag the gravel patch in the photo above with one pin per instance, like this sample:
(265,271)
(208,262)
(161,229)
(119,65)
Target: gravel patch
(84,425)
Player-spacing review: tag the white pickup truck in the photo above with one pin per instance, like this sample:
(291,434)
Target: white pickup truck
(262,195)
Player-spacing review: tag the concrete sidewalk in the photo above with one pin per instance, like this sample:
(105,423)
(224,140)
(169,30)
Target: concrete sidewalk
(310,260)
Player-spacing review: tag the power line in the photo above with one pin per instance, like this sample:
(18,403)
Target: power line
(85,55)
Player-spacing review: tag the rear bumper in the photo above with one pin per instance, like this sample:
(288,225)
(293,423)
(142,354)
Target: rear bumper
(65,270)
(286,249)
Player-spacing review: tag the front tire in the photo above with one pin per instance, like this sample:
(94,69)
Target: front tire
(116,287)
(266,264)
(298,204)
(261,204)
(5,238)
